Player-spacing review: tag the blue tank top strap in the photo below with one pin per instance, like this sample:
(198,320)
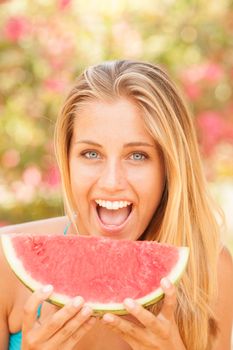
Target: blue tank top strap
(39,310)
(66,228)
(15,341)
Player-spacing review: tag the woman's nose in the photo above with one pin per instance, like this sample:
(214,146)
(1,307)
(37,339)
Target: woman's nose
(112,177)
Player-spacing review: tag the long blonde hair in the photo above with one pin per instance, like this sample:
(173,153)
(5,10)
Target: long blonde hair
(185,215)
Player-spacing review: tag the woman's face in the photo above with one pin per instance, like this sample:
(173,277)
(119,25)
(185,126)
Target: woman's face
(117,174)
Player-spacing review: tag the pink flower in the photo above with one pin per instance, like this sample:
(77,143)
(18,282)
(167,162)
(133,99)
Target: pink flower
(208,71)
(55,85)
(52,177)
(63,4)
(32,176)
(16,28)
(10,158)
(212,72)
(23,192)
(211,121)
(213,130)
(57,44)
(192,91)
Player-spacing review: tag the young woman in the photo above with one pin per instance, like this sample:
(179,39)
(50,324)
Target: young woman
(130,168)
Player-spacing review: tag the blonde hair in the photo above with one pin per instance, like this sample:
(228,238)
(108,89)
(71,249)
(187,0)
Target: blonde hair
(185,215)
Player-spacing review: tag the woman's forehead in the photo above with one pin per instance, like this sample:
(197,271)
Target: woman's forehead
(106,119)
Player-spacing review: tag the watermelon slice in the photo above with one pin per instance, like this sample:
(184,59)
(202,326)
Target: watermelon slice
(103,271)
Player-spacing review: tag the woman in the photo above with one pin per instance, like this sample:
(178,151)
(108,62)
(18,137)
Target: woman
(130,168)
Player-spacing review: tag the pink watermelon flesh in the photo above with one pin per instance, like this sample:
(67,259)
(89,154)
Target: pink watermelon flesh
(97,268)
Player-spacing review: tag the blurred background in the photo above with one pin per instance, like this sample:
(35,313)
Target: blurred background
(45,44)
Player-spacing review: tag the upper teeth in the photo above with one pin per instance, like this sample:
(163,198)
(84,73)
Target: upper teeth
(112,205)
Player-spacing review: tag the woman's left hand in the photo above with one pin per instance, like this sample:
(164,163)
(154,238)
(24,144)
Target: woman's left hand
(154,332)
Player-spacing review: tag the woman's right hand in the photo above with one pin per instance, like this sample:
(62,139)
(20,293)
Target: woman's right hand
(63,329)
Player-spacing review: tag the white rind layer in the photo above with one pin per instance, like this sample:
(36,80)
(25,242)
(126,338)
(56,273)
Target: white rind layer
(98,308)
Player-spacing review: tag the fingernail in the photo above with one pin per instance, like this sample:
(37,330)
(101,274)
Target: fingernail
(130,303)
(47,289)
(77,301)
(165,283)
(108,318)
(86,311)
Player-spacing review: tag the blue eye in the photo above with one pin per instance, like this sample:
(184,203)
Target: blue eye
(91,155)
(138,156)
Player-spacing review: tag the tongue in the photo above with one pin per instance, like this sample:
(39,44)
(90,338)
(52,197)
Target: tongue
(113,217)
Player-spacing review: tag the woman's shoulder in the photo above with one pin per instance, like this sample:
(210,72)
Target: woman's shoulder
(8,294)
(224,306)
(54,225)
(225,280)
(12,292)
(225,265)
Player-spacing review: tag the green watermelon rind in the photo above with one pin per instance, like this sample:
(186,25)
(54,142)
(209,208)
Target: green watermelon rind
(98,308)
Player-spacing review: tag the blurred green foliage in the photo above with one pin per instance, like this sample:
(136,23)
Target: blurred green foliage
(45,44)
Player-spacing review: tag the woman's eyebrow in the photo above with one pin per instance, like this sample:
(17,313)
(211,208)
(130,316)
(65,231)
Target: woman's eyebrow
(89,142)
(129,144)
(139,143)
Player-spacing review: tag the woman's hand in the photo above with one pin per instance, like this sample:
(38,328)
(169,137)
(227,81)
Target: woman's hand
(154,332)
(61,330)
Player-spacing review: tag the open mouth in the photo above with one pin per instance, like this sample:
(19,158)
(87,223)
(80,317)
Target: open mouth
(113,213)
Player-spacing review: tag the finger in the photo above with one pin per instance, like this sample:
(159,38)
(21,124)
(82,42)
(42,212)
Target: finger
(170,301)
(145,317)
(32,305)
(73,329)
(53,323)
(126,329)
(80,332)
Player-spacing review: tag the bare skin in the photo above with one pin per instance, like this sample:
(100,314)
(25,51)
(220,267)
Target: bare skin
(21,308)
(70,328)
